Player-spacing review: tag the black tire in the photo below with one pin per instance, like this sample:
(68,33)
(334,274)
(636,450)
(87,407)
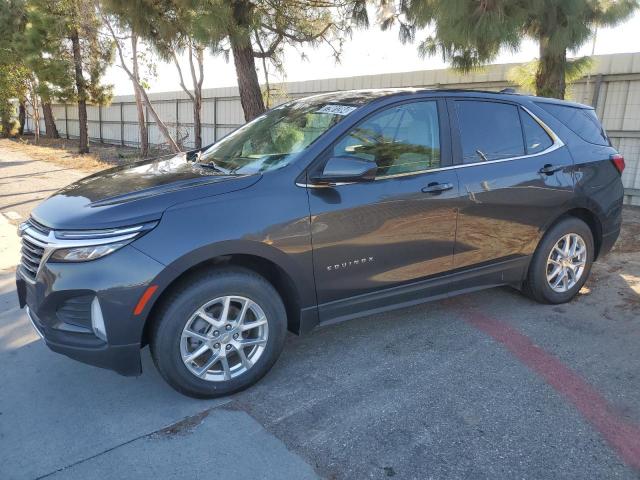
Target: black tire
(176,310)
(536,285)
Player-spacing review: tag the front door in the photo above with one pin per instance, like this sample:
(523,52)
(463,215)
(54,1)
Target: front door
(392,232)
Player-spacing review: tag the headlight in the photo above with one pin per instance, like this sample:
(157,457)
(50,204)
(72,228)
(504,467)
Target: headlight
(84,254)
(86,245)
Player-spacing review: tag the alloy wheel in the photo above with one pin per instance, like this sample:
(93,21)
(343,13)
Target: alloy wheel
(224,338)
(566,262)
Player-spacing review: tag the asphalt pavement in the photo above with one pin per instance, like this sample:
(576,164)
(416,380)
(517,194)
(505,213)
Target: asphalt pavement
(487,385)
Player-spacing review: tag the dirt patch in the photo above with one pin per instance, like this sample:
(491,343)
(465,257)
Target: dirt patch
(629,240)
(64,152)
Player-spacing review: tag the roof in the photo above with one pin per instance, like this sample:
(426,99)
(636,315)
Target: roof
(364,96)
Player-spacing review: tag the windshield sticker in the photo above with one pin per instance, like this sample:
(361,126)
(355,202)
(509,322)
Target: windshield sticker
(337,109)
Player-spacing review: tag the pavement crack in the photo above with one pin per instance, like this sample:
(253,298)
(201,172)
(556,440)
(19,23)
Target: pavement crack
(181,427)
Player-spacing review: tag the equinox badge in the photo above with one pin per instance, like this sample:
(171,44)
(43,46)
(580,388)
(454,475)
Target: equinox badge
(350,263)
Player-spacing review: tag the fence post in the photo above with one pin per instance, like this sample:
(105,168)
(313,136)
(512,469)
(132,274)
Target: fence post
(66,120)
(121,124)
(100,122)
(596,92)
(146,122)
(215,119)
(177,120)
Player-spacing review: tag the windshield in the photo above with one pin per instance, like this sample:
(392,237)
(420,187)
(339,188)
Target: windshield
(274,139)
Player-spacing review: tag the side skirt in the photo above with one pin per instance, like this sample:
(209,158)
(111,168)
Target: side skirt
(506,272)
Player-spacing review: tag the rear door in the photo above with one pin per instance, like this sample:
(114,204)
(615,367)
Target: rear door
(515,176)
(394,231)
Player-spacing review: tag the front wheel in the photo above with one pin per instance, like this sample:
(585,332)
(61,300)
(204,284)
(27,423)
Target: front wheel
(562,262)
(219,333)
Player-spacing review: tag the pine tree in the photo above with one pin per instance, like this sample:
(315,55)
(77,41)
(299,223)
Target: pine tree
(65,49)
(470,33)
(246,29)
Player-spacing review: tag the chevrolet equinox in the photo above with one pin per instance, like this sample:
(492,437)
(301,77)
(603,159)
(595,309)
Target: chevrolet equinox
(323,209)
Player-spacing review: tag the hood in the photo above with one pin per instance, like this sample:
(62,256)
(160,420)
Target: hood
(134,193)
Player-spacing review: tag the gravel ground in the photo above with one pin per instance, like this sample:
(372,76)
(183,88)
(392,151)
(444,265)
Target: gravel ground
(488,385)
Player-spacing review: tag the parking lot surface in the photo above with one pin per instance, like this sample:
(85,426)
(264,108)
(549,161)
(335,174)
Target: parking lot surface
(485,385)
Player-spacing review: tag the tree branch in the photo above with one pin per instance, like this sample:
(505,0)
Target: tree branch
(298,38)
(269,51)
(184,87)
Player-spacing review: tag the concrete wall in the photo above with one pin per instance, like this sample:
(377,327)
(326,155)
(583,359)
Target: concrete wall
(613,87)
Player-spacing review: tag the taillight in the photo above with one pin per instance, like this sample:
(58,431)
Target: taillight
(618,162)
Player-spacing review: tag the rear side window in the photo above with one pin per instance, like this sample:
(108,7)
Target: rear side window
(583,121)
(489,131)
(536,139)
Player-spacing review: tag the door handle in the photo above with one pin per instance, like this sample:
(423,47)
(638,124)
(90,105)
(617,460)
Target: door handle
(435,187)
(550,169)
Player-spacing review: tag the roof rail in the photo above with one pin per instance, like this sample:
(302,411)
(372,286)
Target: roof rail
(508,90)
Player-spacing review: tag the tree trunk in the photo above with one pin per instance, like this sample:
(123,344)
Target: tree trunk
(35,108)
(197,124)
(196,96)
(49,121)
(550,77)
(82,93)
(6,124)
(159,123)
(22,115)
(243,58)
(248,85)
(197,92)
(142,125)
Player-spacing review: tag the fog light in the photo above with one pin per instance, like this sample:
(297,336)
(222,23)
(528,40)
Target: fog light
(97,322)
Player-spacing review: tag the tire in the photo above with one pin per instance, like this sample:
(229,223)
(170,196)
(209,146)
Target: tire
(536,285)
(171,345)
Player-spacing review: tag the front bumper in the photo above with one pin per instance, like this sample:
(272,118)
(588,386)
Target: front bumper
(123,359)
(54,304)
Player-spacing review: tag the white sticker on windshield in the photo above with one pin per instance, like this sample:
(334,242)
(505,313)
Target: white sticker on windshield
(337,109)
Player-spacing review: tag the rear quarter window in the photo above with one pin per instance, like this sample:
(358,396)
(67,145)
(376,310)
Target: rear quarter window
(582,121)
(536,139)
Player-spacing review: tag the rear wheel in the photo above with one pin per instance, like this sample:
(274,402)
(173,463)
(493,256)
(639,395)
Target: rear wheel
(562,262)
(219,333)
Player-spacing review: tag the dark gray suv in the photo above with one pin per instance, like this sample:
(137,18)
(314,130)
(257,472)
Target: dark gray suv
(321,210)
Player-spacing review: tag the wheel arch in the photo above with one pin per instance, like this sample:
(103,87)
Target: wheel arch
(295,288)
(589,216)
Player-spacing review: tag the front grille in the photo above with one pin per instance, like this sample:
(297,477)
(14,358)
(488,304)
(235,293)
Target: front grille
(32,247)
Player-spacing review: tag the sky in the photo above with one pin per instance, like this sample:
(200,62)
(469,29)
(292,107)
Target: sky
(368,52)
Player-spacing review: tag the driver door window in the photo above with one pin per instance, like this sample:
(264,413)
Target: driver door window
(401,139)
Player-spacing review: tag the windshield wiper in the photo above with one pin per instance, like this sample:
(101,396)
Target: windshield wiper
(209,164)
(213,167)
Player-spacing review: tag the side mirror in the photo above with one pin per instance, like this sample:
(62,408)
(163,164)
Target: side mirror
(346,170)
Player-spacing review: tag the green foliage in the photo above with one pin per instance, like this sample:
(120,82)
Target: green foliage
(251,28)
(48,51)
(524,75)
(12,87)
(471,33)
(269,25)
(13,73)
(36,49)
